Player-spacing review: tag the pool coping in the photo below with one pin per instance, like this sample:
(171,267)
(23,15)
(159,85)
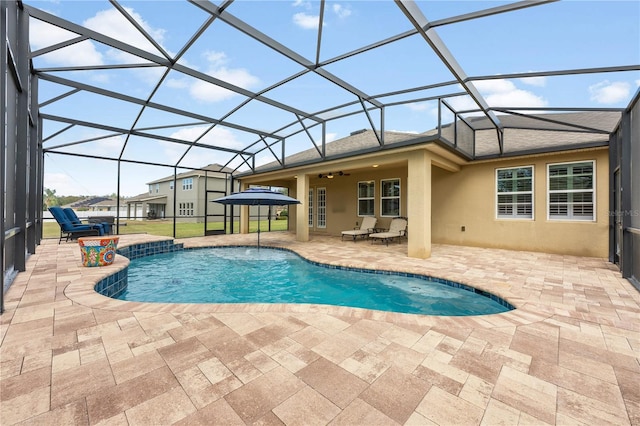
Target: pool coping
(81,290)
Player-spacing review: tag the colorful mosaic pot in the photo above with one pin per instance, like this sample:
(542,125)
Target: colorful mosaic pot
(98,251)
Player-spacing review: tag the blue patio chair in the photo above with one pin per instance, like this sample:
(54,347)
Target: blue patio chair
(70,231)
(75,220)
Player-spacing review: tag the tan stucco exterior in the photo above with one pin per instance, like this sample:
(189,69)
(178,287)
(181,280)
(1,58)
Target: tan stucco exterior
(440,194)
(468,198)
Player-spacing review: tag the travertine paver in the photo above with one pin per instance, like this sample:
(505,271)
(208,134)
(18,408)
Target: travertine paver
(569,353)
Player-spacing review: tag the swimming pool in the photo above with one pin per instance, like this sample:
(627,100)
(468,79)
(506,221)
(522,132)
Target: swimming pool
(251,275)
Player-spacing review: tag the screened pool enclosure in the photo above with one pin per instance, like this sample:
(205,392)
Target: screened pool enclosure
(109,96)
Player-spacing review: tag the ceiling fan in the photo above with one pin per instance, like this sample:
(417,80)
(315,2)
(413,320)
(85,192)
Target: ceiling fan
(331,175)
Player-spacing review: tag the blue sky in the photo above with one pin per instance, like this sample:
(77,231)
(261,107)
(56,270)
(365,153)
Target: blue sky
(556,36)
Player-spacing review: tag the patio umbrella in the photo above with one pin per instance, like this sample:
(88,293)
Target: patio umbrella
(257,197)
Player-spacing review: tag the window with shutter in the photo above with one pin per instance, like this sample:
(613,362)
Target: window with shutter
(514,193)
(571,191)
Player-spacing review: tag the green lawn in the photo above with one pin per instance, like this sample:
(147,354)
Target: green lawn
(165,227)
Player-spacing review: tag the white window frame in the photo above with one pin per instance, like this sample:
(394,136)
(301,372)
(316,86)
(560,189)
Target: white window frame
(185,209)
(373,198)
(321,202)
(515,215)
(311,207)
(150,189)
(383,197)
(570,216)
(187,184)
(157,188)
(171,184)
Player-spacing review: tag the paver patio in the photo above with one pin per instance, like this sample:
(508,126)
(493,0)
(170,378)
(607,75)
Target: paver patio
(569,353)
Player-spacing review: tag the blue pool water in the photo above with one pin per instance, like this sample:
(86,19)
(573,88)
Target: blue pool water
(251,275)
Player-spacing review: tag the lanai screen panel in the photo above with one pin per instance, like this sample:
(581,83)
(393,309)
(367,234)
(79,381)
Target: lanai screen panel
(290,76)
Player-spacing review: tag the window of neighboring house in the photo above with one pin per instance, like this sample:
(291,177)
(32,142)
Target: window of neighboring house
(514,193)
(311,207)
(571,193)
(170,184)
(157,188)
(366,198)
(185,209)
(322,207)
(390,197)
(150,189)
(187,184)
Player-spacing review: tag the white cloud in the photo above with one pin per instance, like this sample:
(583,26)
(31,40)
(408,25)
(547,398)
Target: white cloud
(112,23)
(109,146)
(497,93)
(75,183)
(504,93)
(329,137)
(208,92)
(494,86)
(42,35)
(218,136)
(177,83)
(418,106)
(306,21)
(197,157)
(63,184)
(301,3)
(516,97)
(534,81)
(341,11)
(607,92)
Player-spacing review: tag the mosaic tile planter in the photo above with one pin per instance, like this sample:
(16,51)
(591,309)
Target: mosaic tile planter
(98,251)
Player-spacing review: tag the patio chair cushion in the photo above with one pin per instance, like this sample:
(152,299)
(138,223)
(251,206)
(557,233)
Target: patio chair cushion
(367,227)
(397,229)
(75,220)
(70,231)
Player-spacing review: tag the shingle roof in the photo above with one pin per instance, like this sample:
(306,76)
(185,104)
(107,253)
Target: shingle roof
(356,142)
(145,196)
(545,132)
(521,134)
(192,173)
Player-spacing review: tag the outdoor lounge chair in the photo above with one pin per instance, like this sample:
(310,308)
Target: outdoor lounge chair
(367,227)
(70,231)
(75,220)
(397,229)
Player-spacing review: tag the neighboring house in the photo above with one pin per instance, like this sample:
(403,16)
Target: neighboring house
(93,203)
(106,205)
(192,190)
(548,190)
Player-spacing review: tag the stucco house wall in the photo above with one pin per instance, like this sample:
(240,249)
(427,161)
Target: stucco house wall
(192,199)
(342,198)
(455,200)
(468,198)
